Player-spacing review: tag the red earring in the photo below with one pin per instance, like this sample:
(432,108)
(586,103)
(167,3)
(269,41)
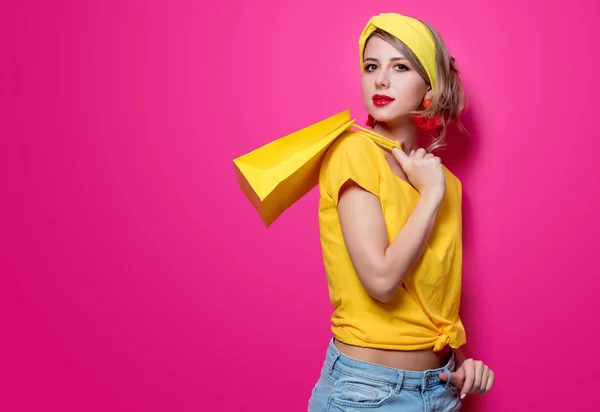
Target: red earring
(370,121)
(427,123)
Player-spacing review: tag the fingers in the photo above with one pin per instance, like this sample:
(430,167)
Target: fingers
(484,384)
(456,378)
(490,382)
(469,370)
(487,374)
(478,378)
(419,157)
(434,157)
(487,380)
(420,153)
(401,157)
(479,371)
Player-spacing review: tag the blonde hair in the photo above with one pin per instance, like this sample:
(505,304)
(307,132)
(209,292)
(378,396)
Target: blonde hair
(449,100)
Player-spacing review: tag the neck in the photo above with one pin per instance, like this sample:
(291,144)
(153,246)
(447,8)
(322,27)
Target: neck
(406,133)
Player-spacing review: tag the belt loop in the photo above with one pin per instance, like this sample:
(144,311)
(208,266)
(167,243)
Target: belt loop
(449,375)
(450,367)
(400,381)
(332,361)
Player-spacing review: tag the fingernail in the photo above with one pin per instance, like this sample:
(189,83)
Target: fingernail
(463,396)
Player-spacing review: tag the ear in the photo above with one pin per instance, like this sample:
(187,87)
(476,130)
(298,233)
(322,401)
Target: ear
(428,95)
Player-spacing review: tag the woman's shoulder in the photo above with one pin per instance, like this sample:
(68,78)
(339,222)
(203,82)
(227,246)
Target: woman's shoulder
(351,156)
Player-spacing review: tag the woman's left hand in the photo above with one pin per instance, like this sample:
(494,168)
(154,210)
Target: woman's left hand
(472,377)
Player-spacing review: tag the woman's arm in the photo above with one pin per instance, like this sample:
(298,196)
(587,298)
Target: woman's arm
(382,267)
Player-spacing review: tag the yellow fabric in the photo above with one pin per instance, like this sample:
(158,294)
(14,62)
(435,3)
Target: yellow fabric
(424,311)
(411,32)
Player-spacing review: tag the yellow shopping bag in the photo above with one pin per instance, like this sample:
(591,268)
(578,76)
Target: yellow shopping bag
(276,175)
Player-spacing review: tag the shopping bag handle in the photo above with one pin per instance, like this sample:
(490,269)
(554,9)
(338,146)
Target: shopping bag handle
(379,139)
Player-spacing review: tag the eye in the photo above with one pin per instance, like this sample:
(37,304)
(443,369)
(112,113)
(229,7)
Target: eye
(370,67)
(401,67)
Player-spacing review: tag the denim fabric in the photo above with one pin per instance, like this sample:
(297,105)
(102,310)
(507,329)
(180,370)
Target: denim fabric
(347,384)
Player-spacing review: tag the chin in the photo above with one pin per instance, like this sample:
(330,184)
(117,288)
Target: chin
(387,114)
(386,117)
(383,115)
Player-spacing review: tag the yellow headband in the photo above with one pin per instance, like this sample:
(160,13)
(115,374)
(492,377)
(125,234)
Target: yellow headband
(411,32)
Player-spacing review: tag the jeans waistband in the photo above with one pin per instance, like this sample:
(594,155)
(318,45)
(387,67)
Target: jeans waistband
(335,360)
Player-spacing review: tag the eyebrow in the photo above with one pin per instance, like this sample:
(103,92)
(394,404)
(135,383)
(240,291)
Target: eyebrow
(391,59)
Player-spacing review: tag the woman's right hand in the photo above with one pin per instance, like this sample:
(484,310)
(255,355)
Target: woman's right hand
(424,171)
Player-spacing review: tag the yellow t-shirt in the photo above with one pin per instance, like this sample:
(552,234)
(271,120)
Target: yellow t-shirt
(424,310)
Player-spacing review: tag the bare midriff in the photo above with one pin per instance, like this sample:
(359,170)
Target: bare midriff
(414,360)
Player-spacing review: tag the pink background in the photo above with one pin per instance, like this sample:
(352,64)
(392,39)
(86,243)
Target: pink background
(136,276)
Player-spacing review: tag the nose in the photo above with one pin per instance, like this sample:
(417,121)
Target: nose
(382,80)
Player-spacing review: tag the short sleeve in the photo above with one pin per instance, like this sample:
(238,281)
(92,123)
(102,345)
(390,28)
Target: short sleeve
(351,157)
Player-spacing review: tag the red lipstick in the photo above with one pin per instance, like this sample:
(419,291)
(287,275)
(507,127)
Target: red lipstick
(382,100)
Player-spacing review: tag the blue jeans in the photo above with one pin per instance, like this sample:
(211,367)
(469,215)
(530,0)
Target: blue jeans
(347,384)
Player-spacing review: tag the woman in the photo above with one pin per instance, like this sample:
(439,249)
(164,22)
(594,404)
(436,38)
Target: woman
(391,233)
